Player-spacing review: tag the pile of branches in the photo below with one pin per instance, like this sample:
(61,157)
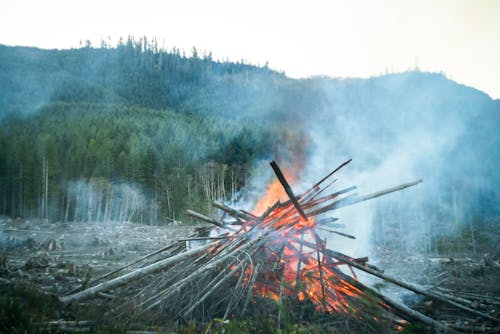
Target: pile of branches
(274,264)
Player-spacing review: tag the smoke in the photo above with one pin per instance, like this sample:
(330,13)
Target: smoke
(400,128)
(397,128)
(99,200)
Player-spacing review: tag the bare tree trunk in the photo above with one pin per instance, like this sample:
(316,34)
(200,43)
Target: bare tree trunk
(66,213)
(473,239)
(21,206)
(383,226)
(232,175)
(402,242)
(46,186)
(77,202)
(167,192)
(89,202)
(99,203)
(107,205)
(13,199)
(43,187)
(4,203)
(155,216)
(455,213)
(125,209)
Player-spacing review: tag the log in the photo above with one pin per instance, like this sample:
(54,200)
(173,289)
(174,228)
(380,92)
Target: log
(215,287)
(337,232)
(250,290)
(409,286)
(333,172)
(334,205)
(404,310)
(135,262)
(204,238)
(329,197)
(288,190)
(249,213)
(411,314)
(134,275)
(351,200)
(312,196)
(385,192)
(220,258)
(204,218)
(233,212)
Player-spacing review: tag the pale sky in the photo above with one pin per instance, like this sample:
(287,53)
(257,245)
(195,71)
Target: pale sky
(338,38)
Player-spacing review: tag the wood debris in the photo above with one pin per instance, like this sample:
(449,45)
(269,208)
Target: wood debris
(265,262)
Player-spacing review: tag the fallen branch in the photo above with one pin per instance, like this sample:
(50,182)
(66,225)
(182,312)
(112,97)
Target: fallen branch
(134,275)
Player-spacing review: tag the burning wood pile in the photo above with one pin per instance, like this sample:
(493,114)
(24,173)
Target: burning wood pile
(275,264)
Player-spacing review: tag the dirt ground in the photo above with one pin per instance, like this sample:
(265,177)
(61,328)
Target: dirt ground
(59,257)
(54,259)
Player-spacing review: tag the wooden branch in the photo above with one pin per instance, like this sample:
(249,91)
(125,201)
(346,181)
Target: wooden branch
(233,212)
(409,286)
(288,190)
(320,269)
(337,232)
(330,197)
(299,260)
(382,192)
(350,200)
(333,172)
(135,262)
(333,206)
(411,314)
(204,238)
(214,288)
(317,193)
(402,309)
(134,275)
(202,217)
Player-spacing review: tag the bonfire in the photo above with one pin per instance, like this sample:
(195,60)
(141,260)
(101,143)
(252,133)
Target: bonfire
(273,263)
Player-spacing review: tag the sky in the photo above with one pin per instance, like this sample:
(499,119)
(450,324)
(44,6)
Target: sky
(337,38)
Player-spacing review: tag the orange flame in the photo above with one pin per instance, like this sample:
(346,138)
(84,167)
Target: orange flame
(275,192)
(293,268)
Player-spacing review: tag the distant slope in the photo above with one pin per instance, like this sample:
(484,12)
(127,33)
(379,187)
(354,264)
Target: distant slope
(153,118)
(133,74)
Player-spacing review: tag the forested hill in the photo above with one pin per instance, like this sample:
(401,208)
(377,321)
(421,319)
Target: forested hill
(134,74)
(137,133)
(131,131)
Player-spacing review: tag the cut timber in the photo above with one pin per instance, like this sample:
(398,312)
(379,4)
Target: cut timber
(351,200)
(233,212)
(203,218)
(410,286)
(337,232)
(333,172)
(288,190)
(404,310)
(135,262)
(134,275)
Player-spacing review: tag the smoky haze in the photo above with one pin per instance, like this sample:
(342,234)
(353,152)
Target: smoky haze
(399,128)
(157,120)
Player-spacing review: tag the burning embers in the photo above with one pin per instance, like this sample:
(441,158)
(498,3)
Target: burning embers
(293,259)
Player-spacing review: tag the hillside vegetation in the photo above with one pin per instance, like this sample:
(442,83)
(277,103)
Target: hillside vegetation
(137,133)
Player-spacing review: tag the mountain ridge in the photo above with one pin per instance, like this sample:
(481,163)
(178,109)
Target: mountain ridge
(134,113)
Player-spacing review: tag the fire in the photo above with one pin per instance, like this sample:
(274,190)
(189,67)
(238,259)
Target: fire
(274,193)
(293,262)
(306,276)
(297,271)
